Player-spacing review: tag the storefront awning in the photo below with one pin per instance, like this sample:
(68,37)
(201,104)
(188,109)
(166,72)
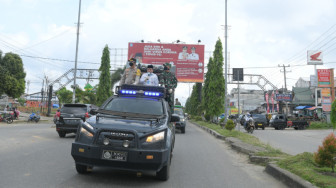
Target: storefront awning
(312,108)
(302,107)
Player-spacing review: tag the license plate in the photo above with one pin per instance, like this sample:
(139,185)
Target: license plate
(259,124)
(114,155)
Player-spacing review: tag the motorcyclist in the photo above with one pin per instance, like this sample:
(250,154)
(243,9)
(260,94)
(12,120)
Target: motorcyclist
(247,119)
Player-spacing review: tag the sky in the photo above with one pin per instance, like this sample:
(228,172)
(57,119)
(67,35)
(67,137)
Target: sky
(262,34)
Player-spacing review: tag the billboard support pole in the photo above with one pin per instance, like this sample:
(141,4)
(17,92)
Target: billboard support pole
(315,87)
(238,101)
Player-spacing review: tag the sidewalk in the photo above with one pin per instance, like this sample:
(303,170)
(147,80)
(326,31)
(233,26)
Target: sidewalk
(23,118)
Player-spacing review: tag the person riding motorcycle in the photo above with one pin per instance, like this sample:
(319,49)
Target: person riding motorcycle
(248,117)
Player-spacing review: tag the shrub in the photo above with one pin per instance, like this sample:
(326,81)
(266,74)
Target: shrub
(229,125)
(319,125)
(198,118)
(326,153)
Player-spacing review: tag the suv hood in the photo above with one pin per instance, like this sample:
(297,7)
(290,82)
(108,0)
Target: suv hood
(143,126)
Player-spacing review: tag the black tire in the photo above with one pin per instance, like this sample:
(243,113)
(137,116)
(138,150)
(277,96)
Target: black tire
(82,169)
(296,128)
(263,127)
(183,130)
(257,127)
(276,128)
(9,120)
(163,174)
(61,134)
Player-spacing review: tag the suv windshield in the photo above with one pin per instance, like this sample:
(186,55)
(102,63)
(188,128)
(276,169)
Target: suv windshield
(178,111)
(137,105)
(259,116)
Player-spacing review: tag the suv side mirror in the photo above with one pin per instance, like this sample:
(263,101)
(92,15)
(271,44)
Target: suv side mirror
(174,118)
(93,112)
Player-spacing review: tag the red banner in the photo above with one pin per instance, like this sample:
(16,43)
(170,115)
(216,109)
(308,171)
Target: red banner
(272,98)
(187,60)
(267,103)
(323,77)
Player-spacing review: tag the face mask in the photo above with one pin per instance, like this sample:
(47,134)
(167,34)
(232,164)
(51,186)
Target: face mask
(131,64)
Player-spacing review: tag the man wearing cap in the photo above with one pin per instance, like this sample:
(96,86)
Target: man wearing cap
(149,78)
(193,55)
(183,55)
(169,81)
(131,74)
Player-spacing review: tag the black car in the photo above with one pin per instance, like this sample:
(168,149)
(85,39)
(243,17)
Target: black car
(132,131)
(70,116)
(260,121)
(182,123)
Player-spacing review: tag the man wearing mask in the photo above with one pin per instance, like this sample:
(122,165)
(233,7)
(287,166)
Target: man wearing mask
(149,78)
(131,74)
(169,81)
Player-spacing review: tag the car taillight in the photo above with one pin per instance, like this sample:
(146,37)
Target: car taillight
(87,115)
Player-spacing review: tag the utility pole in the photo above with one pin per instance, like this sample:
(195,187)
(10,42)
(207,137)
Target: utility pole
(226,26)
(75,71)
(42,93)
(284,71)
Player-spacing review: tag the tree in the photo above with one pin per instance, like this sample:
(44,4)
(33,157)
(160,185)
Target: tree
(64,96)
(326,153)
(116,76)
(12,75)
(214,85)
(193,105)
(333,115)
(104,86)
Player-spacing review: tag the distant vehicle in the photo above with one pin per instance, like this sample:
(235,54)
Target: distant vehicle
(34,117)
(70,116)
(281,121)
(260,121)
(182,123)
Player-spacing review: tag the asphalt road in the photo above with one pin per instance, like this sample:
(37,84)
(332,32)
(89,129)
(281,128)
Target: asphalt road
(34,156)
(292,141)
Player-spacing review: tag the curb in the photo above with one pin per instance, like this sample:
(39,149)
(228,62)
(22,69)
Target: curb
(287,177)
(280,174)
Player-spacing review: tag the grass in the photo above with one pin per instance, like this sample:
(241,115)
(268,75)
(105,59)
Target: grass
(319,125)
(304,166)
(247,138)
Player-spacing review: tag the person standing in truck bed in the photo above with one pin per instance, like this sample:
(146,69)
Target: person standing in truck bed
(131,74)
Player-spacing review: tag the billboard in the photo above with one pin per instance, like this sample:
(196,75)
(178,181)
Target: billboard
(314,57)
(323,77)
(187,60)
(238,74)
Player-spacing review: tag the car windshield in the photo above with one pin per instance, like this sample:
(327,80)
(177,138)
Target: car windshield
(74,110)
(135,105)
(258,116)
(178,111)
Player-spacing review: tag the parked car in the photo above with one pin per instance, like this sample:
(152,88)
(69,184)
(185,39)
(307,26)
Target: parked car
(260,121)
(281,121)
(70,116)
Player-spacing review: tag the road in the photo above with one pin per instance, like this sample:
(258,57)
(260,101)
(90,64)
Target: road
(292,141)
(34,156)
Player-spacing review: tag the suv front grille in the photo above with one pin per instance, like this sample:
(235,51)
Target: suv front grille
(117,138)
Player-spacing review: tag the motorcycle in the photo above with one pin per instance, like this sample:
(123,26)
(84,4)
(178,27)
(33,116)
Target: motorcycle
(250,126)
(34,117)
(6,118)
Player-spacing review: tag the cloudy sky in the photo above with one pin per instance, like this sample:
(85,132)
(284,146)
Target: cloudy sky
(262,34)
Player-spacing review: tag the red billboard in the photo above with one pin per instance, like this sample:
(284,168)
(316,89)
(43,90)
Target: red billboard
(323,77)
(187,60)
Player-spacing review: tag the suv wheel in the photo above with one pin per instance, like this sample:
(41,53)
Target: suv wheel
(183,130)
(82,169)
(263,127)
(163,174)
(61,134)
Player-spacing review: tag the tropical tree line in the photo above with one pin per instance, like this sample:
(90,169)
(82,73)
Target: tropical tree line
(208,99)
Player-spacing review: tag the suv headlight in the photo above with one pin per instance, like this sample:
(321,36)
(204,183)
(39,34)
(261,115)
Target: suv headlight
(156,137)
(85,130)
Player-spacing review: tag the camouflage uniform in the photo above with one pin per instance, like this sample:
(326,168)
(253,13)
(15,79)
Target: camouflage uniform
(169,81)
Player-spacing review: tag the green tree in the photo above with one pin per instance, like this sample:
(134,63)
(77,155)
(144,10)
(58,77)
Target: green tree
(12,75)
(333,115)
(116,76)
(214,85)
(64,96)
(193,104)
(104,86)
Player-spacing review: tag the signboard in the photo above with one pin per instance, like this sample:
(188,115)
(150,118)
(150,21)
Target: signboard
(323,77)
(283,97)
(326,99)
(187,60)
(238,74)
(314,57)
(313,81)
(234,111)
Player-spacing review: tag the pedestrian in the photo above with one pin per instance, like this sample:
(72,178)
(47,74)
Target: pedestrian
(169,81)
(6,109)
(149,78)
(177,102)
(131,74)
